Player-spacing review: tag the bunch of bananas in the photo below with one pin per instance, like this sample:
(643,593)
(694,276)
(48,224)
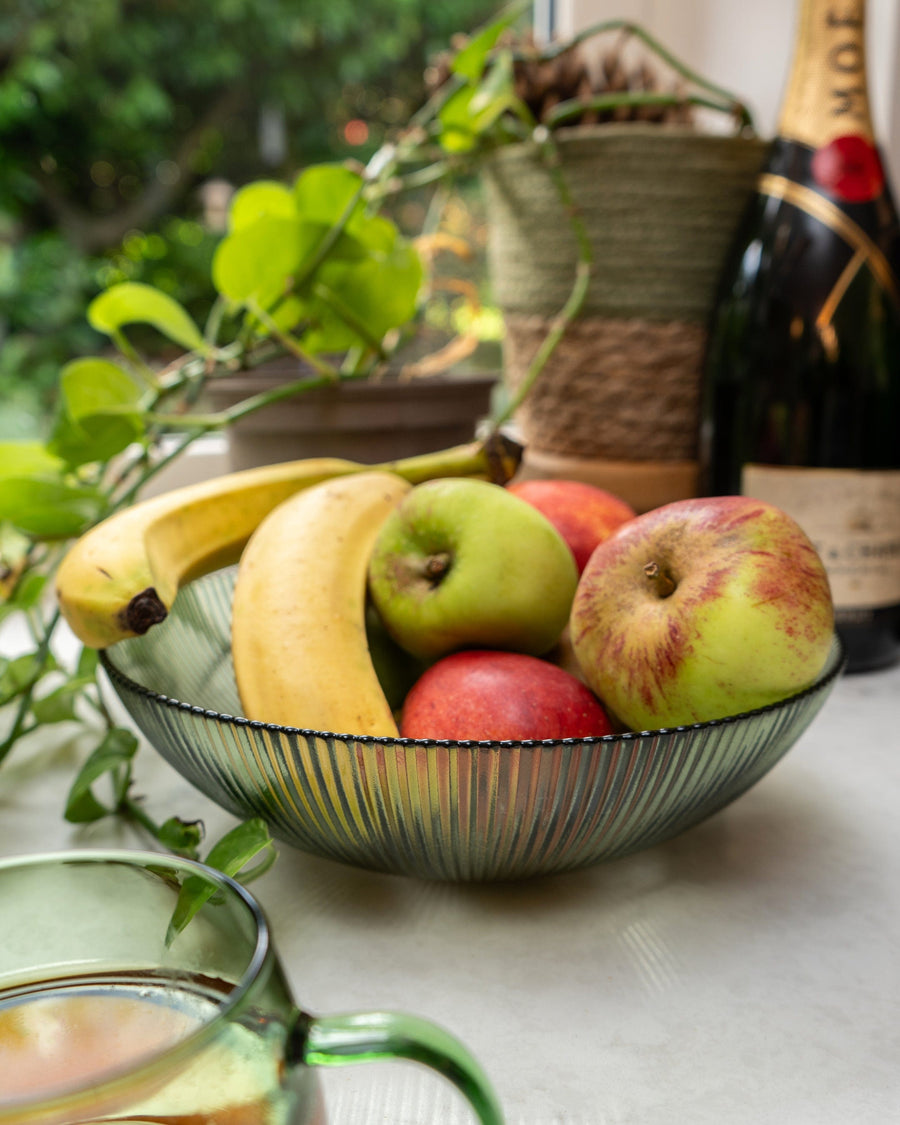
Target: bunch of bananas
(303,532)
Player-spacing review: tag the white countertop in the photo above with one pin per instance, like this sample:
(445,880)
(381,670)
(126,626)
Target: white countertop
(744,973)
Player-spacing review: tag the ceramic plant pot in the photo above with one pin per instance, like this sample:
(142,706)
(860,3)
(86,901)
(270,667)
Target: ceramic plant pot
(366,420)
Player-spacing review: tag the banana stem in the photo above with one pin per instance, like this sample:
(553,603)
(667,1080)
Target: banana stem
(497,458)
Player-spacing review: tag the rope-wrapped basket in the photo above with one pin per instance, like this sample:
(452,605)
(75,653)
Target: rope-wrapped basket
(661,204)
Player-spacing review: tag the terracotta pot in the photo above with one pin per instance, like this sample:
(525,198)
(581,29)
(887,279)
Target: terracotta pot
(365,420)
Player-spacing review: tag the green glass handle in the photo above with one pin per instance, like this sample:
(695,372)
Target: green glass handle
(367,1036)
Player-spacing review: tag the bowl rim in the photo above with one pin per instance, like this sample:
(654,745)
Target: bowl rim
(828,675)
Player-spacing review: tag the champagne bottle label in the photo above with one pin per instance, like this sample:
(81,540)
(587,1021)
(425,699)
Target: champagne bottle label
(853,520)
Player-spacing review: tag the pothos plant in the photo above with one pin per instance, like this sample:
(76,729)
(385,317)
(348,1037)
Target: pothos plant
(311,269)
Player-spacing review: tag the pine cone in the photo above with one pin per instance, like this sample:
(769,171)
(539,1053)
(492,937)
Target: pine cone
(543,83)
(545,80)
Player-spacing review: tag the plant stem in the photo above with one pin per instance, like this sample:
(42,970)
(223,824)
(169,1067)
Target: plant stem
(204,423)
(575,107)
(579,289)
(140,367)
(343,312)
(334,233)
(290,344)
(41,653)
(152,468)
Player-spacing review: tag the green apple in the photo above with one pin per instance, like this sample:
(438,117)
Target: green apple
(461,563)
(701,609)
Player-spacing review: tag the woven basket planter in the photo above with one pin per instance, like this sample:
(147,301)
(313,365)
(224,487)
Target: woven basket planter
(661,204)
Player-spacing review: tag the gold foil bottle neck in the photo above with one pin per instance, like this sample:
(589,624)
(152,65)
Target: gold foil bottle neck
(827,91)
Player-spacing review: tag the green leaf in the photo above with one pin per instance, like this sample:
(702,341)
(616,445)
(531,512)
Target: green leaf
(132,302)
(376,234)
(230,855)
(24,458)
(181,836)
(98,414)
(289,313)
(98,437)
(18,589)
(22,673)
(260,261)
(379,294)
(113,756)
(59,705)
(88,662)
(495,94)
(29,590)
(239,846)
(91,385)
(50,508)
(470,61)
(325,191)
(262,199)
(457,125)
(473,110)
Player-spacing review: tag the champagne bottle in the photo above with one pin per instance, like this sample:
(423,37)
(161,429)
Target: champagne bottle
(801,395)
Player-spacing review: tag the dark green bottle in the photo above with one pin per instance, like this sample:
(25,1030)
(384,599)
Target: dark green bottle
(801,396)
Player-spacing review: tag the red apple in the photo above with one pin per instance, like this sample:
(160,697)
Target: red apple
(485,694)
(701,609)
(583,514)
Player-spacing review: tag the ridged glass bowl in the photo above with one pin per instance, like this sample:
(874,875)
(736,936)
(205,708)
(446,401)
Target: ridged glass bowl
(455,811)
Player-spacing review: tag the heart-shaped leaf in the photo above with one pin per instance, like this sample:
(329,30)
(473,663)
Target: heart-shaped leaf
(98,414)
(258,260)
(381,293)
(259,200)
(132,302)
(22,458)
(324,192)
(48,507)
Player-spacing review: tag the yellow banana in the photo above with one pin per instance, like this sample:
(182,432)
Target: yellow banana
(298,628)
(121,577)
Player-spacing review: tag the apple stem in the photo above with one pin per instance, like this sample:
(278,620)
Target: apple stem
(436,567)
(662,582)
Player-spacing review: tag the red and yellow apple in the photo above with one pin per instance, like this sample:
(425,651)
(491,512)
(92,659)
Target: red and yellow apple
(583,514)
(701,609)
(484,694)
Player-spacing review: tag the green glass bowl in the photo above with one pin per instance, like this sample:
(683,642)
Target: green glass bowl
(441,810)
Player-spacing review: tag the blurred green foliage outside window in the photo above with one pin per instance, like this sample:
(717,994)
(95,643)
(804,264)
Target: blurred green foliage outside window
(120,119)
